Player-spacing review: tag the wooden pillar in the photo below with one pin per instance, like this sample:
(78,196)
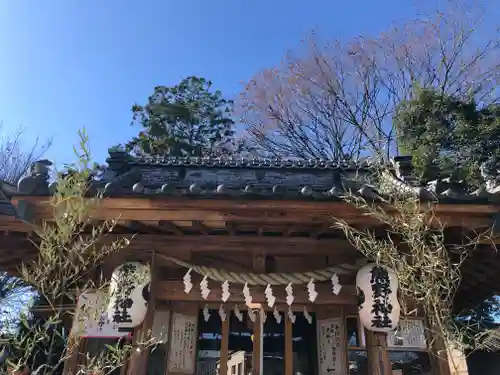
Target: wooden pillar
(138,361)
(378,357)
(288,345)
(72,352)
(258,345)
(447,361)
(224,346)
(457,362)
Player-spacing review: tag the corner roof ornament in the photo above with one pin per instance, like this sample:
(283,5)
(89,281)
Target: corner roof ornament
(37,182)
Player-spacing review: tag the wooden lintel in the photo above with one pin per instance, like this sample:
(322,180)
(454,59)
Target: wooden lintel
(263,211)
(163,243)
(174,290)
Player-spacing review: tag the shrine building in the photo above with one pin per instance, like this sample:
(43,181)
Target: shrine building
(247,274)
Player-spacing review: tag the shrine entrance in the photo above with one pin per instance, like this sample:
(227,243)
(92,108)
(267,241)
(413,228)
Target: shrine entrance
(243,343)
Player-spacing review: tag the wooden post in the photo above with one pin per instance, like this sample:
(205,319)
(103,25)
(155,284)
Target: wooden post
(288,345)
(73,350)
(258,345)
(138,361)
(378,357)
(447,361)
(224,346)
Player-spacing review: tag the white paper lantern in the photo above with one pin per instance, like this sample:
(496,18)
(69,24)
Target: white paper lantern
(128,295)
(377,288)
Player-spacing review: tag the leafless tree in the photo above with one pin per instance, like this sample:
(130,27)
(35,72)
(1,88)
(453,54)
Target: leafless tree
(16,157)
(15,160)
(335,100)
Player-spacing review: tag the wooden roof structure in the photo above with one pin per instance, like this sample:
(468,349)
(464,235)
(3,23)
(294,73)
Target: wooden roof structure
(252,215)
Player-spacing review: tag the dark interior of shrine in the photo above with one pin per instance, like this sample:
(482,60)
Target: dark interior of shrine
(241,339)
(304,347)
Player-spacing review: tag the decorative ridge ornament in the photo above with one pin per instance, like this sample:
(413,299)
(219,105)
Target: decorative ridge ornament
(377,288)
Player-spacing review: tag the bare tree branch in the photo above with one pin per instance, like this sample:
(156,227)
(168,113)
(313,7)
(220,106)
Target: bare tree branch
(336,100)
(15,156)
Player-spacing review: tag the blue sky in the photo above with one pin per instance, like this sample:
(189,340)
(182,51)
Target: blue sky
(66,63)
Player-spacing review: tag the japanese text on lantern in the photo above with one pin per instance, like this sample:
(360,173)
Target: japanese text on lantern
(330,357)
(124,303)
(381,291)
(183,345)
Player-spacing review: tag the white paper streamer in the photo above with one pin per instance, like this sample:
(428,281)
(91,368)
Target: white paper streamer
(289,294)
(225,291)
(206,313)
(188,285)
(204,288)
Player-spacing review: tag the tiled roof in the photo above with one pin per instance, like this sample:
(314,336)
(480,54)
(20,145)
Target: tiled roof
(235,178)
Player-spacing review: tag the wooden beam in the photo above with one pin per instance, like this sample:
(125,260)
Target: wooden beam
(166,203)
(174,290)
(274,245)
(263,211)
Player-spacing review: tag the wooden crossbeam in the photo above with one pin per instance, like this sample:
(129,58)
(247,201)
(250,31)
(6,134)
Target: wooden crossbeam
(262,211)
(174,290)
(274,245)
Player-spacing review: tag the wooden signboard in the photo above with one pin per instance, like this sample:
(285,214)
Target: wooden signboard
(331,342)
(160,325)
(91,319)
(409,335)
(182,355)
